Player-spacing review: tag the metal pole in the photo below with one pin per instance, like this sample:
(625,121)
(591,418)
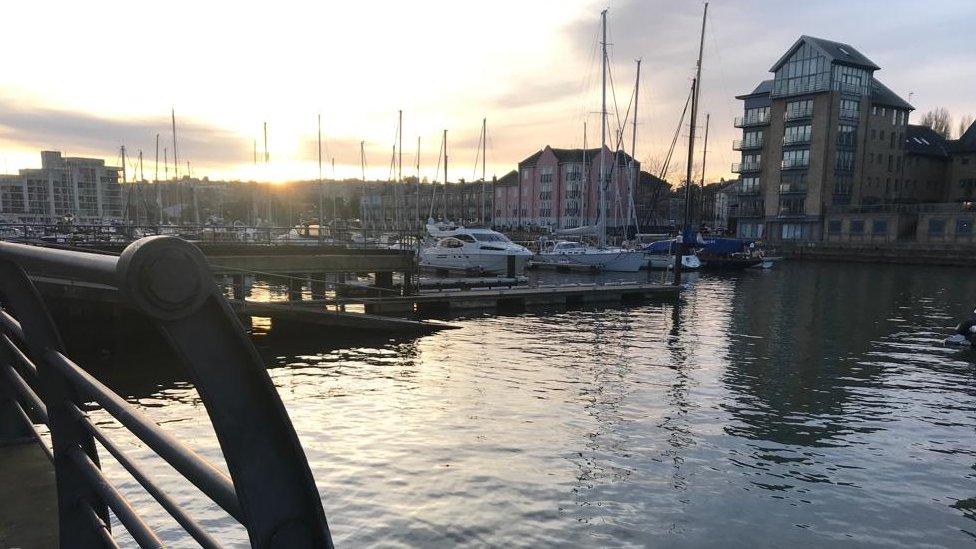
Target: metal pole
(701,209)
(603,131)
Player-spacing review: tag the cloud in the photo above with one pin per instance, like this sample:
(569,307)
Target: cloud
(46,128)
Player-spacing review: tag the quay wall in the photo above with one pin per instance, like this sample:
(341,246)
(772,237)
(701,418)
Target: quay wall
(908,253)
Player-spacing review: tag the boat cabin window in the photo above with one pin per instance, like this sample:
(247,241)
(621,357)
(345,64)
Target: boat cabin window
(465,238)
(450,243)
(490,237)
(568,245)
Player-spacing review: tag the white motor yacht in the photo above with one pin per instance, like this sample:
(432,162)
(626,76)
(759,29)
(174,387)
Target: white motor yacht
(471,250)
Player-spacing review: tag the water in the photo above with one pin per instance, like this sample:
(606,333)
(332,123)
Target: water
(809,405)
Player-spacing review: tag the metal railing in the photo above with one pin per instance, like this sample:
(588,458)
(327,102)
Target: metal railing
(794,163)
(746,167)
(796,139)
(270,490)
(751,120)
(798,113)
(747,144)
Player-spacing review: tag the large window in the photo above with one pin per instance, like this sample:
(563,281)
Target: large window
(793,135)
(845,160)
(846,135)
(798,158)
(793,181)
(799,109)
(849,109)
(850,79)
(804,72)
(834,226)
(749,185)
(792,231)
(791,205)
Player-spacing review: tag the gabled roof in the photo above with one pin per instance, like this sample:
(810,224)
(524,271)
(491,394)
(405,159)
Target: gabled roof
(836,52)
(924,140)
(574,155)
(763,88)
(882,95)
(646,178)
(966,142)
(509,179)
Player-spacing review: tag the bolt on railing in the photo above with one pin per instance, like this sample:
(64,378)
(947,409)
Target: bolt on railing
(270,490)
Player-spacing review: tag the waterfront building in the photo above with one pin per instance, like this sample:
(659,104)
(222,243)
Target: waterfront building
(82,187)
(558,188)
(407,205)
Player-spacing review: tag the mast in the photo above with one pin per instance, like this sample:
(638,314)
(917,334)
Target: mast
(695,87)
(603,130)
(585,187)
(634,181)
(321,190)
(403,192)
(176,165)
(142,177)
(445,175)
(484,151)
(417,193)
(264,126)
(159,190)
(701,209)
(362,192)
(335,196)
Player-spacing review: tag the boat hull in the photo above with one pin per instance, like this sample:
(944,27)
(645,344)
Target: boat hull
(471,262)
(610,261)
(665,261)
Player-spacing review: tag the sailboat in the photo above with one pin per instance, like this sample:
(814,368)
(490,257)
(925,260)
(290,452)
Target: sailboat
(565,252)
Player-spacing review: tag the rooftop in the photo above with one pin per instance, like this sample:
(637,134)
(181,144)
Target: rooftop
(836,52)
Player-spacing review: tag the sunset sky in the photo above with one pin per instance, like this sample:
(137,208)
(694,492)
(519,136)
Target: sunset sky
(87,77)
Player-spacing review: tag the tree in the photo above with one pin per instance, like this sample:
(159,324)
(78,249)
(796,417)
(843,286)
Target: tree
(939,121)
(964,123)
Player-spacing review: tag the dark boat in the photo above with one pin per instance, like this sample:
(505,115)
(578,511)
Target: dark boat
(729,253)
(965,335)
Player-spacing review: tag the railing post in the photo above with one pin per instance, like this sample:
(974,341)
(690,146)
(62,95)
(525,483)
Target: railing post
(21,298)
(169,280)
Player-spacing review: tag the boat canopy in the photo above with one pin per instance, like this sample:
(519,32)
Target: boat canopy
(660,247)
(725,246)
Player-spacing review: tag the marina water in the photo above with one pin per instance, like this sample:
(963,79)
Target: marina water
(810,405)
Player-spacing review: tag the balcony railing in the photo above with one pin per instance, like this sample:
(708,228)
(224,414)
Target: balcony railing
(791,208)
(746,167)
(850,114)
(752,120)
(845,167)
(749,209)
(794,164)
(798,113)
(796,139)
(748,191)
(747,144)
(792,188)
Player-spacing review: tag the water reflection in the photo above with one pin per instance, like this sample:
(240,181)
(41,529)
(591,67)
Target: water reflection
(810,405)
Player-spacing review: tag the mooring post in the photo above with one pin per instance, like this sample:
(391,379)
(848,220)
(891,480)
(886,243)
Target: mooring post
(295,287)
(237,284)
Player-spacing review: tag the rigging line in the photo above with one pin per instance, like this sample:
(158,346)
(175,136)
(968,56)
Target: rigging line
(674,141)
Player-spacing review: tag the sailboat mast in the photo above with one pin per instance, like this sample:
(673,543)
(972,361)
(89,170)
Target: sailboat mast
(484,168)
(321,189)
(176,165)
(445,175)
(701,208)
(603,129)
(695,87)
(632,214)
(403,192)
(417,193)
(362,201)
(159,190)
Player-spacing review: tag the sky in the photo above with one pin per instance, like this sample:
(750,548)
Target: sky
(88,77)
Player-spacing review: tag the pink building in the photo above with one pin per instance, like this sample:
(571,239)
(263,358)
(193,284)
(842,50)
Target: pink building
(558,188)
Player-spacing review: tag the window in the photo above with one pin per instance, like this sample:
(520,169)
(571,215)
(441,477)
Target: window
(881,135)
(843,185)
(845,160)
(857,226)
(793,181)
(797,158)
(756,115)
(791,205)
(964,226)
(834,226)
(849,109)
(846,134)
(892,143)
(851,80)
(799,109)
(749,185)
(805,71)
(792,231)
(936,227)
(879,226)
(874,110)
(796,134)
(874,134)
(891,161)
(546,175)
(752,139)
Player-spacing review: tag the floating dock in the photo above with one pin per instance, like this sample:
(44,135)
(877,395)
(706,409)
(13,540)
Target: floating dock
(520,297)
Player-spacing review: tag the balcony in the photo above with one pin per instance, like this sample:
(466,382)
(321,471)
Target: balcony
(793,188)
(761,119)
(791,207)
(747,144)
(752,208)
(748,191)
(798,114)
(796,139)
(746,167)
(795,164)
(845,167)
(850,114)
